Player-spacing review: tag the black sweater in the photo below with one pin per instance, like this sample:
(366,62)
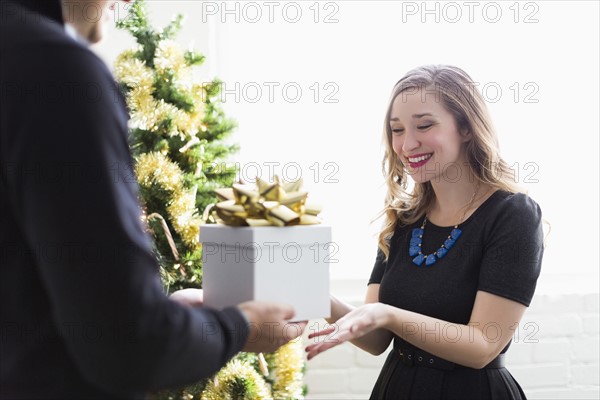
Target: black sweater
(82,310)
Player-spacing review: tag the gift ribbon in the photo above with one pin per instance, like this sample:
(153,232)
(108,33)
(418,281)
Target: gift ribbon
(266,204)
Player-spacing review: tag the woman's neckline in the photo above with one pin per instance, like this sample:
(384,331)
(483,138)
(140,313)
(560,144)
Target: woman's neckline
(468,220)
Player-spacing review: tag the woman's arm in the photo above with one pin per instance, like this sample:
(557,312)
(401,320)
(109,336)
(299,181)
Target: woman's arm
(491,326)
(493,322)
(376,341)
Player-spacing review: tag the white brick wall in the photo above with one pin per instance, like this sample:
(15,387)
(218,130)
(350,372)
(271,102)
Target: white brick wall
(555,354)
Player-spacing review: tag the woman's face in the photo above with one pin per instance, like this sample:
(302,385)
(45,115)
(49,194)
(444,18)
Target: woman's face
(426,138)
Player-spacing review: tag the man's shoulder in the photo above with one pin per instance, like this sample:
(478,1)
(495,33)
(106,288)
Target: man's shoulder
(19,27)
(33,41)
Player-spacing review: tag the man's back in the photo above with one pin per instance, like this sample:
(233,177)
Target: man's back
(82,313)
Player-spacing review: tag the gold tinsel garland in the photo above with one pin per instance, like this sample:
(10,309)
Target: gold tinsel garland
(185,218)
(226,381)
(156,169)
(288,372)
(169,56)
(132,71)
(146,111)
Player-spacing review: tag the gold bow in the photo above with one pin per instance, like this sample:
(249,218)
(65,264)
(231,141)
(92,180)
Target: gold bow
(266,204)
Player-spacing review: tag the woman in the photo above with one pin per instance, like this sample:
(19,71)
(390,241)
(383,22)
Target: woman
(459,255)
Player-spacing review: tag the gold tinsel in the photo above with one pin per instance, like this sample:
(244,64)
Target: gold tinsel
(221,386)
(188,124)
(140,100)
(186,221)
(169,56)
(132,71)
(156,168)
(146,111)
(140,79)
(287,371)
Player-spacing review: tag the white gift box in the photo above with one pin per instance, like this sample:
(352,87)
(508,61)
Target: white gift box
(282,264)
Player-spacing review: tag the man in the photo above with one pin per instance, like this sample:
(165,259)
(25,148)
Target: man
(82,312)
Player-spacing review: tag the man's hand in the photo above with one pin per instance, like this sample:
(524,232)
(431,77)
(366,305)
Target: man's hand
(189,297)
(269,326)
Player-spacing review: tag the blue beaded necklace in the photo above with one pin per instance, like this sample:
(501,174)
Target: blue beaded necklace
(416,241)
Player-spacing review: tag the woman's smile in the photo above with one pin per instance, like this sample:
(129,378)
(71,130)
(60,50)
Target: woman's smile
(419,160)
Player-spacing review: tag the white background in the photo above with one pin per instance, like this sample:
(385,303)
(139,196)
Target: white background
(553,142)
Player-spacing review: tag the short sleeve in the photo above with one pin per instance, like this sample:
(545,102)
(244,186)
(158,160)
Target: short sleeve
(513,250)
(378,268)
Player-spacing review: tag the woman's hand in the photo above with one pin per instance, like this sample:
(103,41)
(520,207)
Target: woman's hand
(189,297)
(353,325)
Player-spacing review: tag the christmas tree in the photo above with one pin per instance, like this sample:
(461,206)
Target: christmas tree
(177,135)
(177,132)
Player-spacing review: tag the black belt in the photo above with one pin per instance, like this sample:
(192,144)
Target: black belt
(411,358)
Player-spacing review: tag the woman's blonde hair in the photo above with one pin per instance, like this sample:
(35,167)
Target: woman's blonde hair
(458,94)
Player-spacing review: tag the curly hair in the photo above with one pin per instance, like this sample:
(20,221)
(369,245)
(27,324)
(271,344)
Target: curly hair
(457,93)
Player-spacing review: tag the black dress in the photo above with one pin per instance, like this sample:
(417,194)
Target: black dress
(500,252)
